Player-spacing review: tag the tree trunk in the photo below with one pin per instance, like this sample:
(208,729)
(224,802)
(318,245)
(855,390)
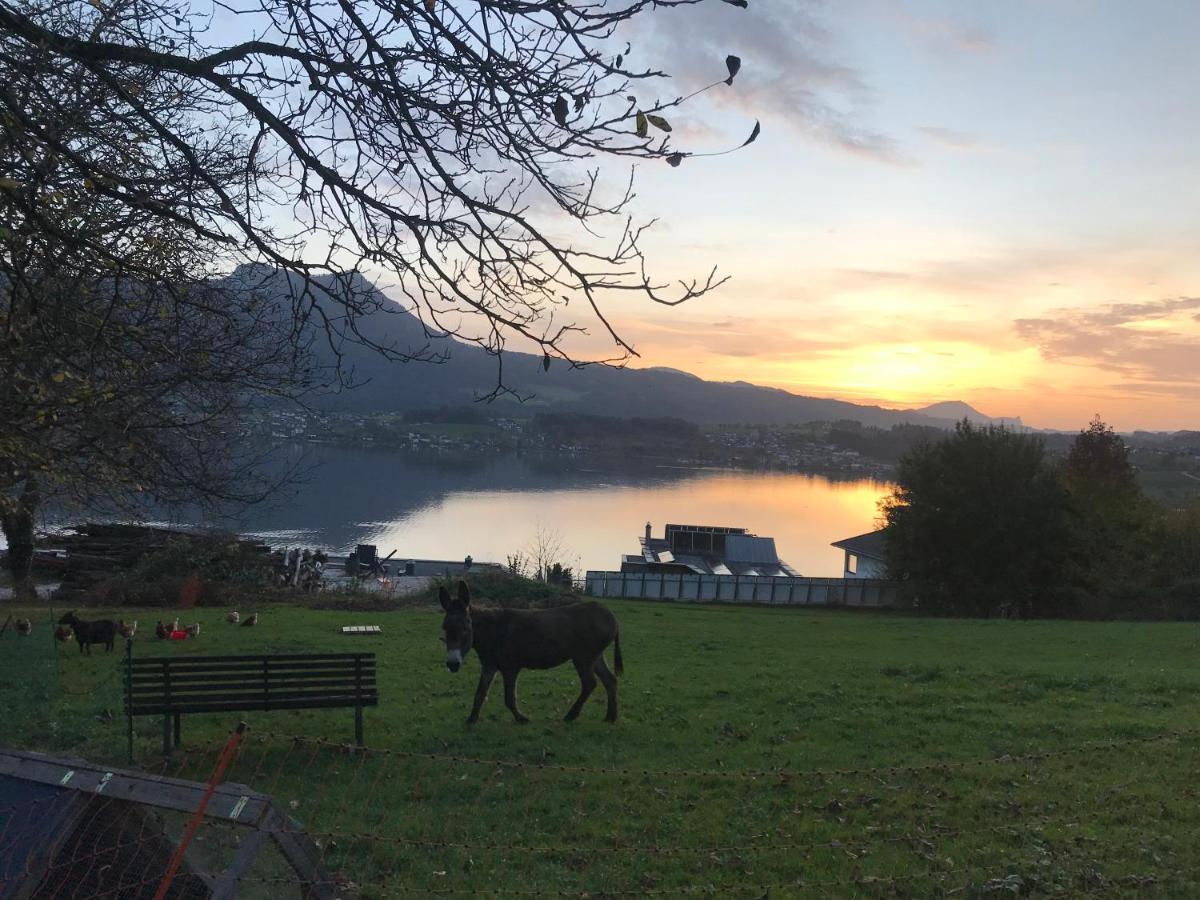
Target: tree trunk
(17,524)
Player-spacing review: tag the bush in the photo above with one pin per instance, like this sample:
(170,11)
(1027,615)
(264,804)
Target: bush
(220,558)
(978,526)
(503,589)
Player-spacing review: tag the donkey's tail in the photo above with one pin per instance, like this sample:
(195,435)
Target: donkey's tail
(618,665)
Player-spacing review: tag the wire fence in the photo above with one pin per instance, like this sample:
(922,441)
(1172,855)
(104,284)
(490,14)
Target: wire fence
(29,676)
(782,774)
(399,823)
(392,823)
(1109,817)
(42,707)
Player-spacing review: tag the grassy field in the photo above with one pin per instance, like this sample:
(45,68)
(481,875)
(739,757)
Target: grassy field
(760,752)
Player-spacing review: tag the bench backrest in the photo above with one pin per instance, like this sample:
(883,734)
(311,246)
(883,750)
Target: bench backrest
(194,684)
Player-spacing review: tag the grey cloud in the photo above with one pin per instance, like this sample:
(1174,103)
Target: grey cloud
(791,72)
(1102,337)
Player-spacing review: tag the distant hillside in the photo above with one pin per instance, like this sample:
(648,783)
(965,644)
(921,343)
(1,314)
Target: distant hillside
(469,372)
(956,411)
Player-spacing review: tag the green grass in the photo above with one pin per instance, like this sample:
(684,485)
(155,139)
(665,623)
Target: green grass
(664,800)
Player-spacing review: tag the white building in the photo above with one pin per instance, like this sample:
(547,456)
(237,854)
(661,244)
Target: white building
(865,557)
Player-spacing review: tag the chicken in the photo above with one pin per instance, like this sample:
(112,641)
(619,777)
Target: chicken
(23,626)
(63,633)
(127,629)
(253,620)
(193,630)
(161,631)
(232,617)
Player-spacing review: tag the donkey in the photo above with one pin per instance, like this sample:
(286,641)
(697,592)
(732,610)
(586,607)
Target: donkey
(103,632)
(509,640)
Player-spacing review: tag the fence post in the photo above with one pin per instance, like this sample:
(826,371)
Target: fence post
(128,692)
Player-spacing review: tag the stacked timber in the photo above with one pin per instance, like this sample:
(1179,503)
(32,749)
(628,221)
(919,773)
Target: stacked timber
(87,556)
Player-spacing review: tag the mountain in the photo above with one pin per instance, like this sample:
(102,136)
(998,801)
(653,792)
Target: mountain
(956,411)
(469,372)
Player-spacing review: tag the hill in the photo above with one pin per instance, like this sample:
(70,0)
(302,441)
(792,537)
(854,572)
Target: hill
(469,372)
(956,411)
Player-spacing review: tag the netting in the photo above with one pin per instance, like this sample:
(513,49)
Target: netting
(394,823)
(1095,818)
(41,708)
(98,842)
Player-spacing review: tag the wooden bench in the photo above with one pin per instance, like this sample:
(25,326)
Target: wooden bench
(172,686)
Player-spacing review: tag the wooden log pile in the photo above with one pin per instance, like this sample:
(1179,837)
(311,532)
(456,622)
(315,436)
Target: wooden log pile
(89,555)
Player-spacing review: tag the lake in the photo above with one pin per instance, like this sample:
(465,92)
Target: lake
(434,506)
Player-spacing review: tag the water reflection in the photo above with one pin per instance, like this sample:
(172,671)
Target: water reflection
(445,507)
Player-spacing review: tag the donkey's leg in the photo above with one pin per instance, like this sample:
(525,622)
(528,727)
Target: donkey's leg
(481,692)
(510,695)
(587,684)
(609,680)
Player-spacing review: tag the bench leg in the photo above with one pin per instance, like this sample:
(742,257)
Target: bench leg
(176,729)
(166,734)
(358,726)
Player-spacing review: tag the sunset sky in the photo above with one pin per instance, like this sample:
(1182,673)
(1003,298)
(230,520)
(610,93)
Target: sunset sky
(993,202)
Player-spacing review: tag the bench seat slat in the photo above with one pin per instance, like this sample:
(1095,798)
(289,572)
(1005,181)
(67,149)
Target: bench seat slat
(255,696)
(274,665)
(258,659)
(258,704)
(250,678)
(252,690)
(145,683)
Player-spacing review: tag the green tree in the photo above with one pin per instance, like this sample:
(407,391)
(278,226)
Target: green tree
(1098,461)
(457,148)
(1115,527)
(1178,560)
(126,367)
(977,525)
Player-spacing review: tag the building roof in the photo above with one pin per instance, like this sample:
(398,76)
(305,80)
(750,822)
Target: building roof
(748,548)
(871,545)
(709,550)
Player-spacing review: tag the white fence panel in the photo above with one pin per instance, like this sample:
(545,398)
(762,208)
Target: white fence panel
(695,588)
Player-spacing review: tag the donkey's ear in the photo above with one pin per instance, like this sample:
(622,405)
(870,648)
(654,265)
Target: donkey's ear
(464,594)
(444,597)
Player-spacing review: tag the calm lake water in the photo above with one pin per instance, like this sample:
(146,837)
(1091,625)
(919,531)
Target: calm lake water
(438,507)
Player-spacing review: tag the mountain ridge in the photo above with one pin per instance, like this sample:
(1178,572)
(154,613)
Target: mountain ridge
(469,372)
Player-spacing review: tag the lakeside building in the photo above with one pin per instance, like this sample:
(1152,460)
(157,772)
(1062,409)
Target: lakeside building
(865,555)
(707,550)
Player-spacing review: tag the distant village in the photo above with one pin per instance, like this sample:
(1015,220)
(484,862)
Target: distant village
(812,447)
(1169,463)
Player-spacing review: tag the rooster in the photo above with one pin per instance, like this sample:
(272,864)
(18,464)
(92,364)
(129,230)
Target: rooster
(127,629)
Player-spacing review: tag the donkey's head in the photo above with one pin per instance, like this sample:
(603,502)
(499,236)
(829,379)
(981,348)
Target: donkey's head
(456,626)
(68,619)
